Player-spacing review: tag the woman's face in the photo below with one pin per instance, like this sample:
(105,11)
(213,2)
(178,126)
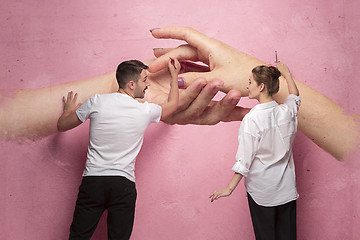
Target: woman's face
(254,88)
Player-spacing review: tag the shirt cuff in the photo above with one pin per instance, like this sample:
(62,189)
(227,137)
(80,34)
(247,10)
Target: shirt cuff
(239,168)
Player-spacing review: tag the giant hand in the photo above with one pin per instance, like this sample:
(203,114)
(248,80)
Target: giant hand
(196,105)
(320,119)
(225,63)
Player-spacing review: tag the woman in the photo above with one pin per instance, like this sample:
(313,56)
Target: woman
(264,157)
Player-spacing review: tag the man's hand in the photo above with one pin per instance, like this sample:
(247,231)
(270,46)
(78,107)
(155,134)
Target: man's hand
(70,104)
(68,118)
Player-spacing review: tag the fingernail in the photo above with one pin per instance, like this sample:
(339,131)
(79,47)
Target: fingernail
(151,30)
(202,85)
(234,101)
(155,49)
(216,89)
(181,83)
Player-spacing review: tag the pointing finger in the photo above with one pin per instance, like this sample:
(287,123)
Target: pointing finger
(190,35)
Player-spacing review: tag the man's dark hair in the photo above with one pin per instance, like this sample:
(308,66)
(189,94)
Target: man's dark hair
(129,70)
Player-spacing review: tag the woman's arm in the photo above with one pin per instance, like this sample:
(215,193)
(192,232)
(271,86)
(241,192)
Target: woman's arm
(285,72)
(227,191)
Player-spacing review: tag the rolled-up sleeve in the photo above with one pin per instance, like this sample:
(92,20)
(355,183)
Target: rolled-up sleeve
(248,144)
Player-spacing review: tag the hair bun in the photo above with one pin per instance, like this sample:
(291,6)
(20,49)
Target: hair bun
(268,75)
(274,72)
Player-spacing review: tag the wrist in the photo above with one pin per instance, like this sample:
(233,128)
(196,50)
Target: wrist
(174,75)
(67,112)
(231,189)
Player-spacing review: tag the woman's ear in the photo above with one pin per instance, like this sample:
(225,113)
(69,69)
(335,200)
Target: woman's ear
(262,87)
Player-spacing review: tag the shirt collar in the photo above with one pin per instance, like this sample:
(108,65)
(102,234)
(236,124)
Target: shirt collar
(124,95)
(265,105)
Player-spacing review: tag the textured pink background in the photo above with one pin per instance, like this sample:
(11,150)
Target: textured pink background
(44,43)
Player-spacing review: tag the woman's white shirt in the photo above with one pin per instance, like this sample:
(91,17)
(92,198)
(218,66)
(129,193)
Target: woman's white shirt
(264,156)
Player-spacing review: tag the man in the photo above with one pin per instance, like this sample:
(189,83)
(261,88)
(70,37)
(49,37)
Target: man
(117,126)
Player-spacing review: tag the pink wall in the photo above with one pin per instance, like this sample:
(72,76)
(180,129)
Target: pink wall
(45,43)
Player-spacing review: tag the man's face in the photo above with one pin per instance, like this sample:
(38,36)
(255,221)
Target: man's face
(141,85)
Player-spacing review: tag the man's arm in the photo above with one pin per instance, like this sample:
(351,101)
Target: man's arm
(68,118)
(172,103)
